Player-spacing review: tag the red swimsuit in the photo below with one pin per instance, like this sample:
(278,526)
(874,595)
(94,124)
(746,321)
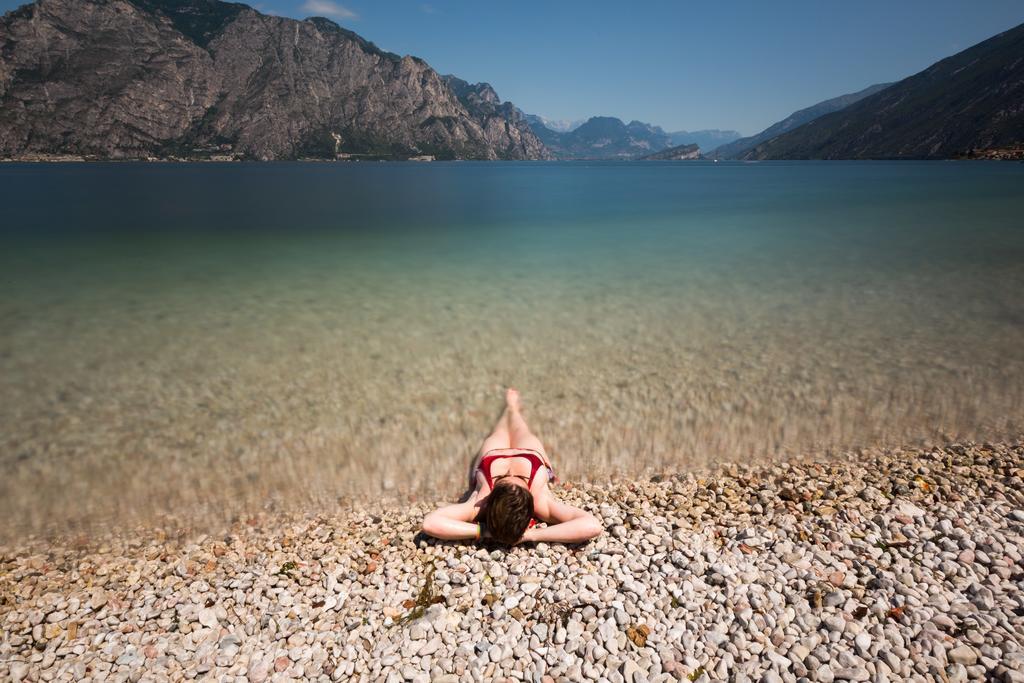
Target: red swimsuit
(536,462)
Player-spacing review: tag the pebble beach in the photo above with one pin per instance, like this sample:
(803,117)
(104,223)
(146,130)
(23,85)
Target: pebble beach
(895,565)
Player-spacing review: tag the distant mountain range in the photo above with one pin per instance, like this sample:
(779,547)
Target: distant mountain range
(603,137)
(794,120)
(128,79)
(173,79)
(965,104)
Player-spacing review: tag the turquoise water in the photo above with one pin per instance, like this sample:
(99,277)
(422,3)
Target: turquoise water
(201,338)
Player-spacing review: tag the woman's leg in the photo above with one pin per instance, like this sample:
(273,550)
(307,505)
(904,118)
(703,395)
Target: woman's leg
(498,438)
(519,432)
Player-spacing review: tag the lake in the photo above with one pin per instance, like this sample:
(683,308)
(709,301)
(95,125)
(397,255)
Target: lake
(191,341)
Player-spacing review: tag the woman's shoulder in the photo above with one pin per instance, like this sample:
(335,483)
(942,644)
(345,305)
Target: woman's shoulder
(541,501)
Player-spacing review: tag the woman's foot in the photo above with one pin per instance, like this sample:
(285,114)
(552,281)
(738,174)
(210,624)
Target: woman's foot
(512,399)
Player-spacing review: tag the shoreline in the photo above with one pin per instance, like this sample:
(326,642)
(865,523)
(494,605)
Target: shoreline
(1007,155)
(904,564)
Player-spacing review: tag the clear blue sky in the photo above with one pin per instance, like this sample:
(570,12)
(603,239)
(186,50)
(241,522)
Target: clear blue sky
(681,65)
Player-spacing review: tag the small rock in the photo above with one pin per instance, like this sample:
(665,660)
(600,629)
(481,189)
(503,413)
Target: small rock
(1012,676)
(19,671)
(963,654)
(258,671)
(208,617)
(629,670)
(909,509)
(432,646)
(97,599)
(863,644)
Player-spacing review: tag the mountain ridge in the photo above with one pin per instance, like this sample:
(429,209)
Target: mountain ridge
(959,106)
(685,152)
(195,79)
(129,79)
(798,118)
(603,137)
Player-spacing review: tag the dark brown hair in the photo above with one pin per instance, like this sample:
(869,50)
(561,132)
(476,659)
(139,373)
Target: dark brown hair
(507,512)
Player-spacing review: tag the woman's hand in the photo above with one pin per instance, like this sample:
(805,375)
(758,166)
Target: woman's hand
(565,524)
(528,536)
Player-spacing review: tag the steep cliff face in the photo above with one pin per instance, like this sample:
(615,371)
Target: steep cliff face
(503,123)
(137,78)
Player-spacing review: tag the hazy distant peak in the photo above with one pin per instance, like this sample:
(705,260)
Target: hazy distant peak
(646,127)
(706,139)
(557,125)
(602,137)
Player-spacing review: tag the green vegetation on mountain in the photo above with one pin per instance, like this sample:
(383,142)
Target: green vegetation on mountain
(677,153)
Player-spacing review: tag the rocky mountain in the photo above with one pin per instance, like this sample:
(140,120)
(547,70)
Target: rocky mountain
(503,121)
(707,139)
(678,153)
(970,102)
(731,150)
(604,137)
(196,78)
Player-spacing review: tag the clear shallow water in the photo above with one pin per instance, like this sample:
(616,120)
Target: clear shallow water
(201,339)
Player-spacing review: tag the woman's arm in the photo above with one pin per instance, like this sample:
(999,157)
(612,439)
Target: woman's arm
(571,525)
(454,522)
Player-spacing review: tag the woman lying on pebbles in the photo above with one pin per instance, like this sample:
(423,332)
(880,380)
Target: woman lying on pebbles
(510,478)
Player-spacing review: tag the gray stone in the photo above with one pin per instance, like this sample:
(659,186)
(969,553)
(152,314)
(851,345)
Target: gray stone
(963,654)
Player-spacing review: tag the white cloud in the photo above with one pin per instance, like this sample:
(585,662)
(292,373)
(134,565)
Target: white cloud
(427,8)
(328,8)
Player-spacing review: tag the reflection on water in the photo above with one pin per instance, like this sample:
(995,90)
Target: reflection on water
(201,339)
